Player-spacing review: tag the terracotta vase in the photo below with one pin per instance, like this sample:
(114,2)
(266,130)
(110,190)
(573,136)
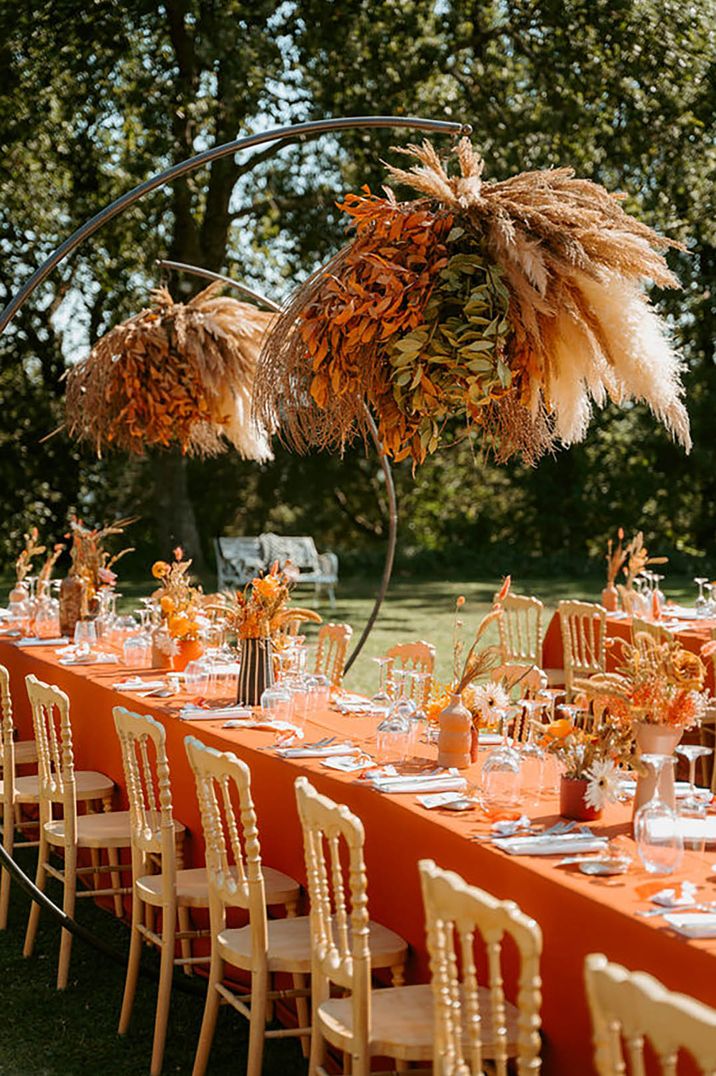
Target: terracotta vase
(610,598)
(655,740)
(186,650)
(454,740)
(161,649)
(571,800)
(255,672)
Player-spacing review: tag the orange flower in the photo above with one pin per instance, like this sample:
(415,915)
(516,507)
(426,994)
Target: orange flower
(167,604)
(160,569)
(268,587)
(558,730)
(687,670)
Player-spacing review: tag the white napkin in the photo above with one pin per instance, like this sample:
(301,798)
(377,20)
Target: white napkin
(346,763)
(91,659)
(509,827)
(489,739)
(673,898)
(555,845)
(138,685)
(693,924)
(61,640)
(681,789)
(682,612)
(318,752)
(190,712)
(435,783)
(439,799)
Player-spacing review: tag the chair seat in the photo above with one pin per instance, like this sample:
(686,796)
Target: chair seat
(90,785)
(555,677)
(289,945)
(402,1023)
(108,830)
(192,888)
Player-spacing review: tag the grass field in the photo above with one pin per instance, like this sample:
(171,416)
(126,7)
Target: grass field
(50,1034)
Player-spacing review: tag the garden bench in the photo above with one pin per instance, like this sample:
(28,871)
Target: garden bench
(240,559)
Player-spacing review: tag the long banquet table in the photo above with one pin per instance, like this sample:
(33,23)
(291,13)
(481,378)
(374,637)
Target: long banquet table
(578,915)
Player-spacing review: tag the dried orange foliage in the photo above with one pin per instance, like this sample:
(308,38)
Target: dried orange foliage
(174,374)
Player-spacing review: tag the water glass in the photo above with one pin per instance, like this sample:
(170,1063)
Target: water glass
(85,636)
(394,735)
(137,652)
(276,703)
(657,829)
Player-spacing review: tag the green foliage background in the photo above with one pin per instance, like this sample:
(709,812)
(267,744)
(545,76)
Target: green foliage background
(95,99)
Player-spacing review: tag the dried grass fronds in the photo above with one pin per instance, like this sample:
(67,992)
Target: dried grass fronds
(174,373)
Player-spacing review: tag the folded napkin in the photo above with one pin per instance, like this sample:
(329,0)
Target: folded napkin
(318,752)
(347,763)
(676,898)
(682,612)
(489,739)
(138,685)
(693,924)
(551,844)
(190,712)
(61,640)
(439,799)
(681,789)
(509,827)
(91,659)
(438,783)
(264,725)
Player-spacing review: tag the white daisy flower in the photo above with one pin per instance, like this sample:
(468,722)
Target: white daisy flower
(490,700)
(602,783)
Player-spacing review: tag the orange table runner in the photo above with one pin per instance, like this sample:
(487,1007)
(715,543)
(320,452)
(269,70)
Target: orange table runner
(692,637)
(577,914)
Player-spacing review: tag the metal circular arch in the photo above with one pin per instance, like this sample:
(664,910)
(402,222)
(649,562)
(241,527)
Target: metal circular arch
(207,274)
(292,131)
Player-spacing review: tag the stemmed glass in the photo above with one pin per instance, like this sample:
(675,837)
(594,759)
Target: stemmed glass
(656,825)
(532,756)
(381,697)
(700,605)
(695,800)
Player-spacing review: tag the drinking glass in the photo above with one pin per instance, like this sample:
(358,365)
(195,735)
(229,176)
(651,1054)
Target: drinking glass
(321,694)
(692,752)
(692,816)
(47,618)
(394,733)
(532,756)
(276,703)
(137,652)
(502,779)
(297,685)
(85,637)
(700,605)
(381,697)
(656,825)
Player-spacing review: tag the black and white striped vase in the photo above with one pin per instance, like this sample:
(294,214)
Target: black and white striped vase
(256,671)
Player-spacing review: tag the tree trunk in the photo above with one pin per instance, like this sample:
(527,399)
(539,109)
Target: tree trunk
(173,510)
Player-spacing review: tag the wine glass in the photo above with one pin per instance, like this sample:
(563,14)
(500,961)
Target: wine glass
(692,752)
(381,697)
(656,825)
(700,604)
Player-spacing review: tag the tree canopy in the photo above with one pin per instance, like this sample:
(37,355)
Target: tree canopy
(94,100)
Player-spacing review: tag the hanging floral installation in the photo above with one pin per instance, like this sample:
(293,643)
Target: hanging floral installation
(513,306)
(175,373)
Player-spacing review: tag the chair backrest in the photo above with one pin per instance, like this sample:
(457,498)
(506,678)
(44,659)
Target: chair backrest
(55,756)
(520,629)
(233,854)
(413,657)
(300,550)
(628,1007)
(649,627)
(331,647)
(584,628)
(146,776)
(7,750)
(333,841)
(454,914)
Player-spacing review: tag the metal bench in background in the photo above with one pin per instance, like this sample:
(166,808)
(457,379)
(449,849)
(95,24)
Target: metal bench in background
(239,559)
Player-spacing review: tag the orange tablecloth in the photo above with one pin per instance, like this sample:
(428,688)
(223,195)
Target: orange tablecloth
(692,637)
(578,915)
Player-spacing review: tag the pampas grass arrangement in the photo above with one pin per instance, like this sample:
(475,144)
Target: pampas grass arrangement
(174,373)
(514,305)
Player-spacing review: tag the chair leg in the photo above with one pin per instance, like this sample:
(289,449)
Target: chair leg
(8,840)
(257,1024)
(302,1012)
(133,962)
(164,992)
(319,994)
(68,907)
(185,943)
(211,1011)
(116,876)
(40,877)
(397,974)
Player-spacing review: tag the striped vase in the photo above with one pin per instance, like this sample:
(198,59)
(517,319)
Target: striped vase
(256,672)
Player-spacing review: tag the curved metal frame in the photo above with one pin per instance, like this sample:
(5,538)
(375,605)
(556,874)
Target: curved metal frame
(292,131)
(207,274)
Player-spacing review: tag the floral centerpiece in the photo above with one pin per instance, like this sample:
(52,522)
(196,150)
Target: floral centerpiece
(260,615)
(659,691)
(90,571)
(590,761)
(47,568)
(179,606)
(636,559)
(467,703)
(23,564)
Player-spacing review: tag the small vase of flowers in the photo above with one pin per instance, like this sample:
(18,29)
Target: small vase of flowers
(176,638)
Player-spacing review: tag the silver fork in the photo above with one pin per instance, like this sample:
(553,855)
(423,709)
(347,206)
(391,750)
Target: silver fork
(704,906)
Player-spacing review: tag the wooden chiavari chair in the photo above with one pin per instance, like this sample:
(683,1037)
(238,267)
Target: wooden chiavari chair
(331,650)
(584,629)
